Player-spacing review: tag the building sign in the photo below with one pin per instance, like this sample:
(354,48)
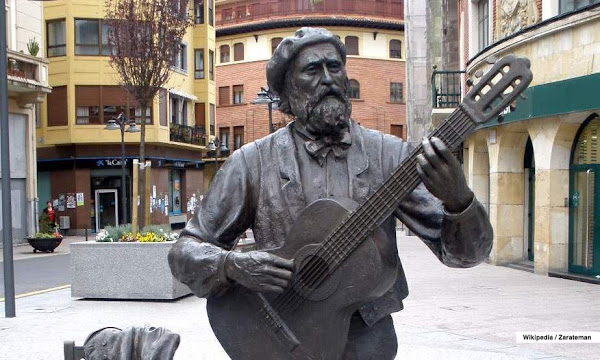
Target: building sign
(110,162)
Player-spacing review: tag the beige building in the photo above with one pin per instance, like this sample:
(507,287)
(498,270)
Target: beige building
(27,89)
(537,170)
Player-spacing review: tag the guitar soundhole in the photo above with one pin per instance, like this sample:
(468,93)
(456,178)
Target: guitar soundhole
(314,269)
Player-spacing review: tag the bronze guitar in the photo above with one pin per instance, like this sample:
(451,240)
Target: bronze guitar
(343,260)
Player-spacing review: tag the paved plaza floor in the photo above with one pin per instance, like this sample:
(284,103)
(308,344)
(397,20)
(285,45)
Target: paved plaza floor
(449,314)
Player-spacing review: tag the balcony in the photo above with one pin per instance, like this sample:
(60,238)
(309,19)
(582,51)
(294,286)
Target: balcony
(187,134)
(27,76)
(445,93)
(235,12)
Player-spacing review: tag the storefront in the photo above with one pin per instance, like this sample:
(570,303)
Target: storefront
(88,190)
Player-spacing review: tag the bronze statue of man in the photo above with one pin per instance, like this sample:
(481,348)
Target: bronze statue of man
(323,154)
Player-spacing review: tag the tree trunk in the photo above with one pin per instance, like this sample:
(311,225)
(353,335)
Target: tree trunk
(142,177)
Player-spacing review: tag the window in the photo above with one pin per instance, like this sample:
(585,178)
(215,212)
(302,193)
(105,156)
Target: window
(211,64)
(238,137)
(178,110)
(354,90)
(224,136)
(224,51)
(211,13)
(223,95)
(274,43)
(238,52)
(395,49)
(566,6)
(99,104)
(397,130)
(199,11)
(352,45)
(57,106)
(238,94)
(136,114)
(483,25)
(180,57)
(240,12)
(200,115)
(396,92)
(227,14)
(56,38)
(199,63)
(87,115)
(91,37)
(211,118)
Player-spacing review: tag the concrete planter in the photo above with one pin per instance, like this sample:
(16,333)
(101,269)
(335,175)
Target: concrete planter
(123,271)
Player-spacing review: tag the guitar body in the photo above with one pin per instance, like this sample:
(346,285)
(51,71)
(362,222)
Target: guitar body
(321,322)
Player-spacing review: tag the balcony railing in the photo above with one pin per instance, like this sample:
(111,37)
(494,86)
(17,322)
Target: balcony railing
(445,87)
(249,10)
(187,134)
(27,69)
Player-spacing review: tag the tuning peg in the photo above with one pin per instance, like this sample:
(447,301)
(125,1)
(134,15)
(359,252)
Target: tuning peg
(491,60)
(478,73)
(523,96)
(513,106)
(469,82)
(500,119)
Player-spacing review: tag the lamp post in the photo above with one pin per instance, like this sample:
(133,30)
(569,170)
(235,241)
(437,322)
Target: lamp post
(213,145)
(266,97)
(119,123)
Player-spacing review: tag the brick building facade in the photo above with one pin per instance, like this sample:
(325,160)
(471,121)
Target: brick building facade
(375,63)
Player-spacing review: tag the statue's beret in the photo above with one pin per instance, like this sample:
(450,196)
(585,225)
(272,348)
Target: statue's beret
(290,47)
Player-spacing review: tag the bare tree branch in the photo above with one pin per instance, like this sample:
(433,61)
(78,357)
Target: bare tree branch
(144,36)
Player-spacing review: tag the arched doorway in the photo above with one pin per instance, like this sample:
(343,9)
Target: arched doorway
(584,226)
(529,198)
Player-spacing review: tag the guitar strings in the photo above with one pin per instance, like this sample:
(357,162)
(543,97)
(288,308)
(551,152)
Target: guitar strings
(320,267)
(329,246)
(334,243)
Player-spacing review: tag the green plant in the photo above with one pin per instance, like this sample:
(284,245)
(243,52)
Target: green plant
(116,232)
(33,47)
(45,225)
(157,229)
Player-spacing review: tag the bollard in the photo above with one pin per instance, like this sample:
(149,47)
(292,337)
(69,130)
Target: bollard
(86,233)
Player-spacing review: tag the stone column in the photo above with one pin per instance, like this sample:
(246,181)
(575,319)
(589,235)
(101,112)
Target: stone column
(477,164)
(552,139)
(506,151)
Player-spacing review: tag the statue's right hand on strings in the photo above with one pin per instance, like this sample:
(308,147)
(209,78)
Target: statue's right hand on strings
(259,271)
(443,176)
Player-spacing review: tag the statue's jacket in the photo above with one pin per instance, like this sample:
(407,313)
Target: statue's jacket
(259,187)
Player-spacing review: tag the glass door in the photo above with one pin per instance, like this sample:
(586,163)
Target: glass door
(107,210)
(584,255)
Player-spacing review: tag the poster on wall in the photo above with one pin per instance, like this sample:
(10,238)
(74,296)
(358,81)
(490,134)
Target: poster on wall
(80,201)
(61,202)
(71,202)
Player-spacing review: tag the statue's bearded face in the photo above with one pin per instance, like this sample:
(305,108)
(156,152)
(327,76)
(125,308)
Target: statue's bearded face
(316,87)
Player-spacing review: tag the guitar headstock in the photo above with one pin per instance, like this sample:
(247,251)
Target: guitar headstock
(498,88)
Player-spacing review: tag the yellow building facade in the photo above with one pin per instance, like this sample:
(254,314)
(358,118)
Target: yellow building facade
(78,159)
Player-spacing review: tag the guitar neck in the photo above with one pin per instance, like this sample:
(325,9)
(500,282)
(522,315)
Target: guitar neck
(388,196)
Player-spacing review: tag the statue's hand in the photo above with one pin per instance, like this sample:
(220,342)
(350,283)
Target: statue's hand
(443,176)
(259,271)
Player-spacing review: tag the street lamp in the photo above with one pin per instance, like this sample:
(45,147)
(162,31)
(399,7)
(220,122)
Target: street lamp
(119,123)
(266,97)
(213,145)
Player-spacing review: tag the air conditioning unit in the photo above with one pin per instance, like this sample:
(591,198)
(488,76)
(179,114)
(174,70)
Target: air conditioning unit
(64,222)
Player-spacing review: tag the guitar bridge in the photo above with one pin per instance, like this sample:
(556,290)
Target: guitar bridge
(279,328)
